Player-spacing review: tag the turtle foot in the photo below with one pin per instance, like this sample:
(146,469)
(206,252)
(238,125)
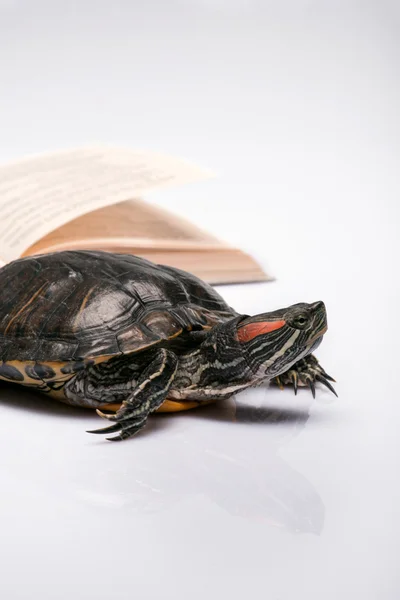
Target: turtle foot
(305,373)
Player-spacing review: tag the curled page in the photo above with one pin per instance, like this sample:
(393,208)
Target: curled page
(40,194)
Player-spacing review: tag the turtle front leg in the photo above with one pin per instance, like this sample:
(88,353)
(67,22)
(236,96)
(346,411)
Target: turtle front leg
(143,394)
(306,372)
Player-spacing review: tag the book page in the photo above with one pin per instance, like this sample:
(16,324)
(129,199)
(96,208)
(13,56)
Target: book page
(126,225)
(42,193)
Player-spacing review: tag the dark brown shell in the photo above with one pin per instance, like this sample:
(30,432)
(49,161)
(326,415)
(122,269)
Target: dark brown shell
(78,305)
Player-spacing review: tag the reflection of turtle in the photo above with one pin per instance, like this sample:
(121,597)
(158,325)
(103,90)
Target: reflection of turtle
(106,330)
(247,477)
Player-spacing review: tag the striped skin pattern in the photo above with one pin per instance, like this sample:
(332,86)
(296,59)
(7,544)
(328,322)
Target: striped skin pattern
(222,365)
(112,331)
(225,364)
(284,346)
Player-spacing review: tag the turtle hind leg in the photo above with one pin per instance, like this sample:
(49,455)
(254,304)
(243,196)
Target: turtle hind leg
(141,394)
(305,372)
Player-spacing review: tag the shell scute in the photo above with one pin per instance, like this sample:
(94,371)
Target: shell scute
(40,371)
(79,305)
(10,373)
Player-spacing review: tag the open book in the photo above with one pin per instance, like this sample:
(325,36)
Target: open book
(90,199)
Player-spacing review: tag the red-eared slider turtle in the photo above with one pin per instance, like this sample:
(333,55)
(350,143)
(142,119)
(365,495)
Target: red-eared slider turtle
(114,331)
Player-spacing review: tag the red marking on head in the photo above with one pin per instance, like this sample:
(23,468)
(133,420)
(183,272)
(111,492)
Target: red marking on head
(252,330)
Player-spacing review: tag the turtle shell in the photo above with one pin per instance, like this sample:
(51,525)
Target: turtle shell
(78,305)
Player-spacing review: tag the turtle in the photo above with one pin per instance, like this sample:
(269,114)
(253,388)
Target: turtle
(125,336)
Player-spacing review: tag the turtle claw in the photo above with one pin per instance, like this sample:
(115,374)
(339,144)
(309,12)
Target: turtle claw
(324,380)
(288,377)
(125,426)
(111,417)
(110,429)
(126,430)
(116,438)
(305,373)
(327,376)
(295,381)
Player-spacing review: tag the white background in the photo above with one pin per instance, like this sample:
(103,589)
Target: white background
(296,106)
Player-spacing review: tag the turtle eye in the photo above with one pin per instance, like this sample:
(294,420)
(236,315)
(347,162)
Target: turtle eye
(301,321)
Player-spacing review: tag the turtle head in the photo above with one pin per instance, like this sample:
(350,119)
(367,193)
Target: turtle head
(273,342)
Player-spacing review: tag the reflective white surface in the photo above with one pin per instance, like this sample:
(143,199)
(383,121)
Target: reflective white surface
(266,495)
